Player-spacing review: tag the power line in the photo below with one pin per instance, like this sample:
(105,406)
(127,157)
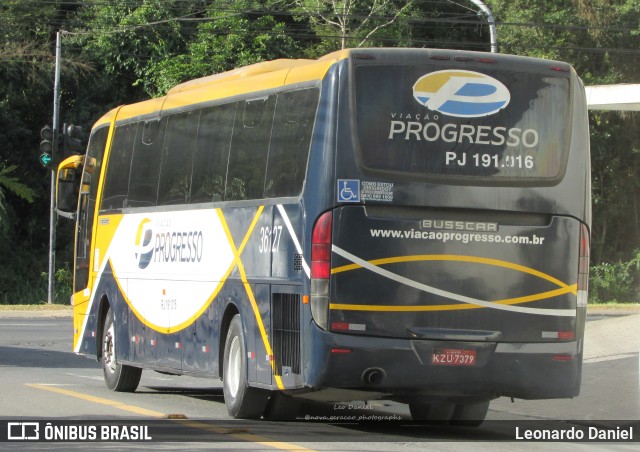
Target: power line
(407,21)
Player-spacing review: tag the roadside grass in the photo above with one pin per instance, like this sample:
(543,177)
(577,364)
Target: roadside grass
(614,305)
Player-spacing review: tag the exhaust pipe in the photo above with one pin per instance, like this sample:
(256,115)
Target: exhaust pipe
(374,376)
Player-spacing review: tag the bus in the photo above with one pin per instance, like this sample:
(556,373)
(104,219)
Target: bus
(401,224)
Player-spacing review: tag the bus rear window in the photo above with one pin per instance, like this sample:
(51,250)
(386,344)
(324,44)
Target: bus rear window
(462,126)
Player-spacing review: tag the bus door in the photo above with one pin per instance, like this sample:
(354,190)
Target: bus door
(85,222)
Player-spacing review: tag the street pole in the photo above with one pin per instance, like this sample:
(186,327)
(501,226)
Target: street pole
(492,24)
(54,153)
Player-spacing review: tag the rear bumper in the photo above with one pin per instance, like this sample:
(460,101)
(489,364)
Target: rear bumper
(403,368)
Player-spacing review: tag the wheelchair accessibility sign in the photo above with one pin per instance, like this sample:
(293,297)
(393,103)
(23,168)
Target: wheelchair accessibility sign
(348,190)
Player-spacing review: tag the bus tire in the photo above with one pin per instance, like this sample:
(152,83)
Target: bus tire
(117,377)
(242,401)
(282,407)
(470,414)
(434,412)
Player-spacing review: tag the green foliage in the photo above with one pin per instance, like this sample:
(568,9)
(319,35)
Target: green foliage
(598,37)
(353,23)
(615,157)
(63,284)
(12,184)
(229,41)
(617,282)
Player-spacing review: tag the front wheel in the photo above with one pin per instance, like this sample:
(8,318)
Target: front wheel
(117,377)
(242,400)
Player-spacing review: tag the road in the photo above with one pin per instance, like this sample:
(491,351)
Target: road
(41,379)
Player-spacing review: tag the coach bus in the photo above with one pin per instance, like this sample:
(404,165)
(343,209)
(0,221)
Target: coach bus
(403,224)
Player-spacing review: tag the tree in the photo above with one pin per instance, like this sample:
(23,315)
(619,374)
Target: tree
(353,23)
(126,37)
(13,185)
(235,35)
(26,78)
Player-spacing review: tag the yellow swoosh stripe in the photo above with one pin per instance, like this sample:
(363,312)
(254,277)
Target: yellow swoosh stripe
(451,307)
(247,286)
(452,257)
(563,287)
(236,262)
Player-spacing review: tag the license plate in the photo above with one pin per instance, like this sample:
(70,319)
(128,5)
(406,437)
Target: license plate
(453,357)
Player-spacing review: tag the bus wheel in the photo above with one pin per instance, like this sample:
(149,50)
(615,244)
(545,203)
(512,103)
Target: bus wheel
(118,377)
(282,407)
(470,414)
(242,401)
(435,412)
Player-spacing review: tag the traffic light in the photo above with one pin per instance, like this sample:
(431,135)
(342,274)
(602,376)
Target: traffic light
(46,146)
(71,142)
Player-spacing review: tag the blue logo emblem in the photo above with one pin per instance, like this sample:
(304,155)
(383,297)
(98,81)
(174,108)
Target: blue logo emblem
(348,190)
(464,94)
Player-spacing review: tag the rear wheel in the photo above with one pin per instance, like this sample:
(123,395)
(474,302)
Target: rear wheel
(470,414)
(117,377)
(435,412)
(242,401)
(282,407)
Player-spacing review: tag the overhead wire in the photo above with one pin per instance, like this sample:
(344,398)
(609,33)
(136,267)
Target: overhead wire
(440,22)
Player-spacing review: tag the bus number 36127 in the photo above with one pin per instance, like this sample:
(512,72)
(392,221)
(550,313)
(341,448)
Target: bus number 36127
(270,239)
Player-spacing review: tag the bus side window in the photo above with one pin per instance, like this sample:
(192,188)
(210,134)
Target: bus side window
(177,155)
(116,184)
(249,149)
(212,153)
(290,140)
(147,155)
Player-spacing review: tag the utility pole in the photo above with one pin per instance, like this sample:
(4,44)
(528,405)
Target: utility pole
(54,155)
(492,25)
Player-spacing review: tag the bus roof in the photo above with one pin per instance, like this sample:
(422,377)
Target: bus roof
(273,74)
(256,77)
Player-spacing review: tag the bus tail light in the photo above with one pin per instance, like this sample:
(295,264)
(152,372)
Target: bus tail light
(583,267)
(562,357)
(321,269)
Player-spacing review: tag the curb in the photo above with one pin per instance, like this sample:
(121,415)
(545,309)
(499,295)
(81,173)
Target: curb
(63,313)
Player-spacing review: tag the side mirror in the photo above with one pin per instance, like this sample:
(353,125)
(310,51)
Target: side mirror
(68,186)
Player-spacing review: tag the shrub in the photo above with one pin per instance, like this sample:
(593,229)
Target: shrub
(615,282)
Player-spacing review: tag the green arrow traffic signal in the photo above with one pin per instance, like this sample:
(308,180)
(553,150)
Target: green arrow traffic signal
(45,159)
(46,146)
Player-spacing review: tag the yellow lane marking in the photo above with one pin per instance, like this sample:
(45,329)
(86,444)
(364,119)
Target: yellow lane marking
(99,400)
(233,432)
(238,433)
(243,276)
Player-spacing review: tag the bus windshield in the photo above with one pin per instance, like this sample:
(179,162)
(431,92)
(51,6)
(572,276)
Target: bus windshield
(492,127)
